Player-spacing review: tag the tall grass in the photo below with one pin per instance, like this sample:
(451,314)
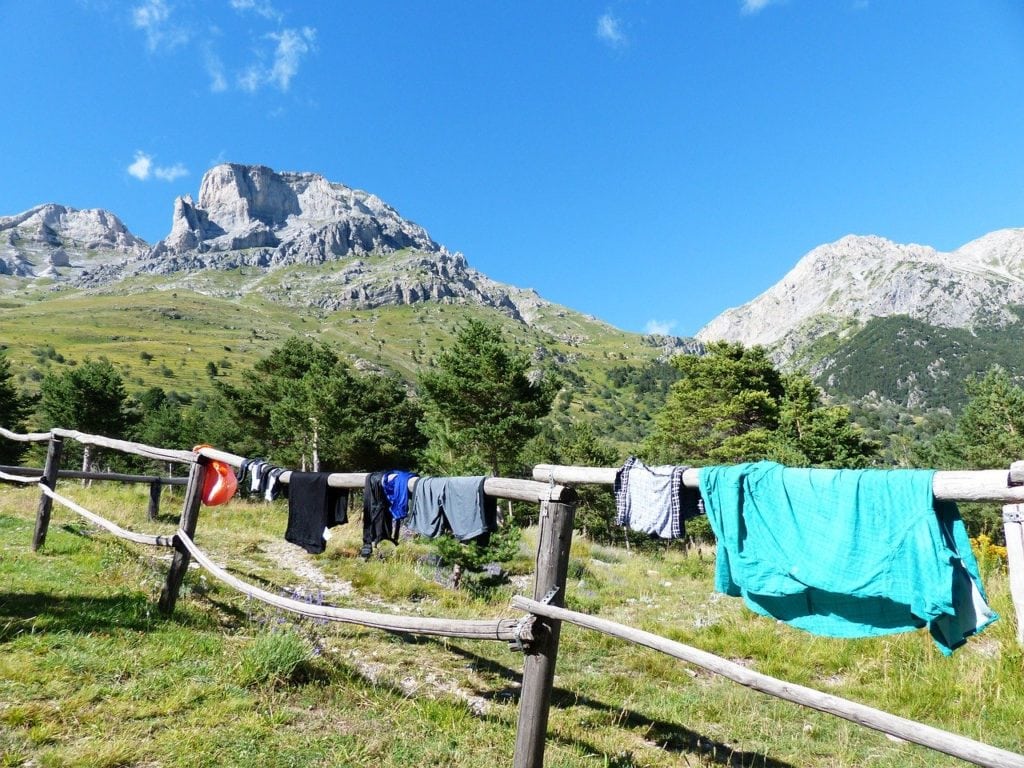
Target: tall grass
(90,674)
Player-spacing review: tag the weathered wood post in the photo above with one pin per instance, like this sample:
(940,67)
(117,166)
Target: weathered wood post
(556,519)
(189,518)
(154,500)
(1013,526)
(49,479)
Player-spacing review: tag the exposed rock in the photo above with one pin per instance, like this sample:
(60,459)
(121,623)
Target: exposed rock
(13,265)
(361,253)
(57,236)
(306,218)
(857,278)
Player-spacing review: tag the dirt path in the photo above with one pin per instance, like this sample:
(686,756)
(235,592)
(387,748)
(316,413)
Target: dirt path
(294,559)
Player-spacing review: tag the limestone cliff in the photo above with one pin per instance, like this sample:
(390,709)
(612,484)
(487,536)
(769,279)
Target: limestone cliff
(846,283)
(56,241)
(299,217)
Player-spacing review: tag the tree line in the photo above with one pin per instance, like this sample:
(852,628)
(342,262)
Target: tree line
(480,407)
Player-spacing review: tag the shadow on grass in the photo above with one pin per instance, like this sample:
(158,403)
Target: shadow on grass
(32,612)
(669,736)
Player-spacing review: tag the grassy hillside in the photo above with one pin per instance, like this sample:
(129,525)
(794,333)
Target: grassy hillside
(90,674)
(167,338)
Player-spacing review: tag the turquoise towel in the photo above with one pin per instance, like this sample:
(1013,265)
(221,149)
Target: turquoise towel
(845,553)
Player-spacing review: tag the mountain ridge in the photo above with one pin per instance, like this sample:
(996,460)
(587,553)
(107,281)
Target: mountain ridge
(857,278)
(250,218)
(316,247)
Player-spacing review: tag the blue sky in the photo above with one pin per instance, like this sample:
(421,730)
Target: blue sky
(650,162)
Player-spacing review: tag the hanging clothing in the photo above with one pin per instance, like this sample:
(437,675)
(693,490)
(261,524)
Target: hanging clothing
(257,470)
(456,504)
(378,524)
(270,484)
(653,500)
(313,507)
(396,488)
(845,553)
(243,468)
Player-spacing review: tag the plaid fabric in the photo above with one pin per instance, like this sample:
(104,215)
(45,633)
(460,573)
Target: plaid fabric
(649,499)
(845,553)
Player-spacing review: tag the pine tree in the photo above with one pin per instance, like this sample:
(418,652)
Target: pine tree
(13,409)
(989,433)
(305,407)
(90,398)
(733,405)
(482,404)
(724,408)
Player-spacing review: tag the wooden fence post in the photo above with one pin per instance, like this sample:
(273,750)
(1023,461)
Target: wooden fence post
(556,519)
(1013,526)
(49,479)
(154,500)
(189,518)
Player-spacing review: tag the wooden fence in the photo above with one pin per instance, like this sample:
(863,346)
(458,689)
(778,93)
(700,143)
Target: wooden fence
(537,633)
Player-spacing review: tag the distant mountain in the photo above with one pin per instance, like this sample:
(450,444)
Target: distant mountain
(907,322)
(295,237)
(263,255)
(59,242)
(857,278)
(287,217)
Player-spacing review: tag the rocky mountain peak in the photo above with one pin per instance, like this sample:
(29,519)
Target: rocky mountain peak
(293,238)
(38,241)
(857,278)
(252,206)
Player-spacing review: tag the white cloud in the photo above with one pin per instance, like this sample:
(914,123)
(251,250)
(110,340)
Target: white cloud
(277,54)
(251,79)
(170,173)
(215,69)
(609,30)
(755,6)
(660,327)
(142,168)
(259,7)
(290,46)
(153,17)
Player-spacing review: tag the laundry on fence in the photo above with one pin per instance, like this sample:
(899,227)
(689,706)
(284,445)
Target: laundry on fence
(845,553)
(455,504)
(653,500)
(396,487)
(264,479)
(313,507)
(272,485)
(458,505)
(378,523)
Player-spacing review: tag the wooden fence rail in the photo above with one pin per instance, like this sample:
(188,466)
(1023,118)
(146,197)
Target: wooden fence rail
(1002,485)
(942,741)
(538,634)
(980,485)
(117,477)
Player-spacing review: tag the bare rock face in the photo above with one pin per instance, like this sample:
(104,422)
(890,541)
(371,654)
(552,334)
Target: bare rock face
(359,251)
(857,278)
(301,216)
(49,236)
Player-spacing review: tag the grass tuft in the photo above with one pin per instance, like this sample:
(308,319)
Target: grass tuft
(277,657)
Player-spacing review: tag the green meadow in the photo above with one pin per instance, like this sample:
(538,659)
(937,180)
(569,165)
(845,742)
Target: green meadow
(92,675)
(167,337)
